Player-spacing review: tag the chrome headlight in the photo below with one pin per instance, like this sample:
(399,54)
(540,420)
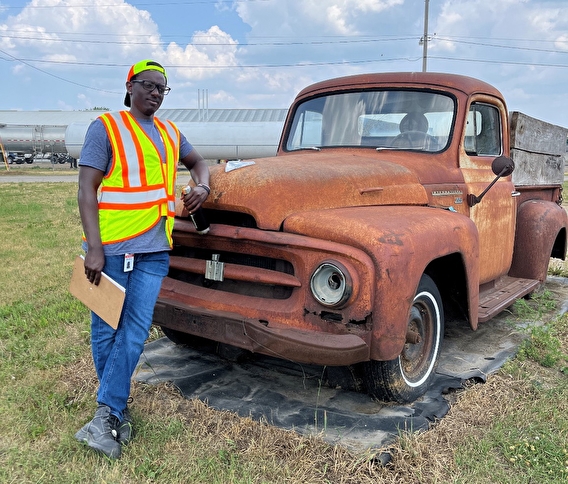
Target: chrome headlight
(331,284)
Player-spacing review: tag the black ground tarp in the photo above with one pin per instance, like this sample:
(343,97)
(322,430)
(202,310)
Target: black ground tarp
(317,400)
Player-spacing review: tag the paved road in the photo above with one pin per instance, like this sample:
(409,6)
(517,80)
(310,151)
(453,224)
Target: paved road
(37,179)
(22,177)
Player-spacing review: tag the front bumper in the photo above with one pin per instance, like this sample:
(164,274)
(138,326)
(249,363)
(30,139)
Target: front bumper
(293,344)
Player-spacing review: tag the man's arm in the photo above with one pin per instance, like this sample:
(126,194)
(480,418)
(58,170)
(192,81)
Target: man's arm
(89,182)
(199,171)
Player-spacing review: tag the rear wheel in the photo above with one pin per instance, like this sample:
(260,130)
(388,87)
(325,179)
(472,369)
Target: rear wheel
(407,377)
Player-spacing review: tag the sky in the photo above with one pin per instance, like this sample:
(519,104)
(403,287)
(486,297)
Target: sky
(75,54)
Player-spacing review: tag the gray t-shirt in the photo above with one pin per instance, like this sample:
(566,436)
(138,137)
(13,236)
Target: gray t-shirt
(97,153)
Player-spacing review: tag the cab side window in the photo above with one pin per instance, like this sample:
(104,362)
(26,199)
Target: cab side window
(483,131)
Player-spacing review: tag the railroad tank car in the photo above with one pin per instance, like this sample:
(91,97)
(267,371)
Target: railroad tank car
(223,140)
(33,138)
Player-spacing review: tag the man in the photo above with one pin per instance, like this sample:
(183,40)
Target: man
(131,157)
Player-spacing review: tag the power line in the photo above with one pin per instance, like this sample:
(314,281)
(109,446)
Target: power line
(29,62)
(42,38)
(340,41)
(124,4)
(495,61)
(501,46)
(53,75)
(227,66)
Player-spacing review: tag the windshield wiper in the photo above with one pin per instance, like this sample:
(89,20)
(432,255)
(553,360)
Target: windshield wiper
(313,148)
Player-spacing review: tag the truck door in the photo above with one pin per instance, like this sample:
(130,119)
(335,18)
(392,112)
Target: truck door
(486,137)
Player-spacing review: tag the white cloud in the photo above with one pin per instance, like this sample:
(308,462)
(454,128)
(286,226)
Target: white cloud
(561,43)
(214,48)
(222,98)
(310,17)
(49,30)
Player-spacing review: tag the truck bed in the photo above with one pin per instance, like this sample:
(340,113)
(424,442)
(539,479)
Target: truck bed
(538,150)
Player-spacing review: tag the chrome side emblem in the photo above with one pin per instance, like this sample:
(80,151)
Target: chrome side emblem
(214,269)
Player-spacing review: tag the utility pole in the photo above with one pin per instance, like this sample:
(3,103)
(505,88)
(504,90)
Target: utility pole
(425,38)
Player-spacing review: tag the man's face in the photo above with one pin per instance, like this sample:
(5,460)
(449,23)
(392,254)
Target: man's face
(145,103)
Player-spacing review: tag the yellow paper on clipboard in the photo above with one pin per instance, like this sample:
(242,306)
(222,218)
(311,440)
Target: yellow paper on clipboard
(105,300)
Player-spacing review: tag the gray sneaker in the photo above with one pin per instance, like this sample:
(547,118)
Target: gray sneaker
(100,433)
(125,429)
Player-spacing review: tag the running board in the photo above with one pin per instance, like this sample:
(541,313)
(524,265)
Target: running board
(505,292)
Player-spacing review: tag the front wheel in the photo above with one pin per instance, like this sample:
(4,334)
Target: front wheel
(407,377)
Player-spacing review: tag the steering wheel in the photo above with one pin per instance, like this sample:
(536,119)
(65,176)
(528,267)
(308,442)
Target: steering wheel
(417,140)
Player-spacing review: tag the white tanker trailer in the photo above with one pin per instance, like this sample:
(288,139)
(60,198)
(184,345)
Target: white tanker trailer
(21,143)
(213,140)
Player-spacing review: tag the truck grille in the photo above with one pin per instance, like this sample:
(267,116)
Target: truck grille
(197,257)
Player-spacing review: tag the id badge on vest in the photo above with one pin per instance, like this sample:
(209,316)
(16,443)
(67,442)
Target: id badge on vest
(128,262)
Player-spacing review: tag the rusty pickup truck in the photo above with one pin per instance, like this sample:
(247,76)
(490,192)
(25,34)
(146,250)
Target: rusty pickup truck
(397,202)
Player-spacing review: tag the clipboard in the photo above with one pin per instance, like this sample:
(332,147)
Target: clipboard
(105,300)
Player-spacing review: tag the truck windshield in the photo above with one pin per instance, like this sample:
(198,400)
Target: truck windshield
(389,119)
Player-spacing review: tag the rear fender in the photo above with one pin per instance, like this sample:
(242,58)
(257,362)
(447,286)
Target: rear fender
(540,234)
(402,241)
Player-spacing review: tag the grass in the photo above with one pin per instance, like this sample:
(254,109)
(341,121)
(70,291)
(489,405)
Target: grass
(547,345)
(540,304)
(510,430)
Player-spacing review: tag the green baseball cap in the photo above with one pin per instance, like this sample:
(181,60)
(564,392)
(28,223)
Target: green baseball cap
(144,65)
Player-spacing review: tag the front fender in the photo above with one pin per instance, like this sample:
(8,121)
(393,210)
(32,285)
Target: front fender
(402,241)
(538,224)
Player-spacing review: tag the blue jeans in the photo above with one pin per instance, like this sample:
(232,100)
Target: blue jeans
(116,352)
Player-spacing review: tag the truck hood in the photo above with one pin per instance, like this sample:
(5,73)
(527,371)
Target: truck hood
(272,189)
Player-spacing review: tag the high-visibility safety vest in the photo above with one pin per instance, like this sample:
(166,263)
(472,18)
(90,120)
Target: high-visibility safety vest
(139,188)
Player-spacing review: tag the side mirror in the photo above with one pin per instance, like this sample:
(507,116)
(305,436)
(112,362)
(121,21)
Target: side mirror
(501,166)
